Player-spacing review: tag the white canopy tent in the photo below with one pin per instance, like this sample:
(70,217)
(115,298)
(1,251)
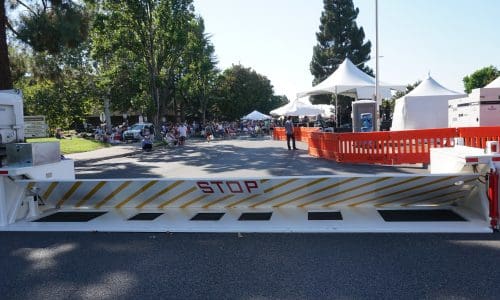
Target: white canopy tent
(327,110)
(494,84)
(256,116)
(426,106)
(302,107)
(350,81)
(280,111)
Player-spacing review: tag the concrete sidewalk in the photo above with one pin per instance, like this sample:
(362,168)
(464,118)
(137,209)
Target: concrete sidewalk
(114,150)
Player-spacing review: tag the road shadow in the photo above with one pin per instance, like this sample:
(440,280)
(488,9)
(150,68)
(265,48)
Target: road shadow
(72,265)
(198,157)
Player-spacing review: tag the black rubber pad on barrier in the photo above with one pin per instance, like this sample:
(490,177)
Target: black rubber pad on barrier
(207,217)
(421,215)
(255,216)
(145,217)
(72,216)
(324,215)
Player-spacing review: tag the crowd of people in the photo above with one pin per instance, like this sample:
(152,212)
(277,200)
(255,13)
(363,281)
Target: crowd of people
(176,134)
(113,137)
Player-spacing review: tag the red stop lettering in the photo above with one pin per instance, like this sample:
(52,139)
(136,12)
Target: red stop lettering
(205,187)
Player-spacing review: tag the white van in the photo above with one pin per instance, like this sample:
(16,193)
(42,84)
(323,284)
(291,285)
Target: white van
(137,131)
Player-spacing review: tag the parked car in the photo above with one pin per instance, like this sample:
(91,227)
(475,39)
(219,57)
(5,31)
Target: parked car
(137,131)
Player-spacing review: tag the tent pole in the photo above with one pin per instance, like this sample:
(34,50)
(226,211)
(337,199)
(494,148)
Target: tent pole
(336,108)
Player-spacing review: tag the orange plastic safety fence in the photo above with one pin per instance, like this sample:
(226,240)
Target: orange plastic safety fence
(478,136)
(301,133)
(324,145)
(385,147)
(388,147)
(279,133)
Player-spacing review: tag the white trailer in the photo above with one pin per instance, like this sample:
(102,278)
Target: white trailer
(19,160)
(481,108)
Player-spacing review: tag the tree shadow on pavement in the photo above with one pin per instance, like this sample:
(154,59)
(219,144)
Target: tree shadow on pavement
(200,158)
(72,265)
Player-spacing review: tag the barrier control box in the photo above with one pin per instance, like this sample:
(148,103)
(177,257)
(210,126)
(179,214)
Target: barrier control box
(33,154)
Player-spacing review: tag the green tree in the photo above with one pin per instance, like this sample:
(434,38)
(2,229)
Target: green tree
(277,101)
(47,26)
(480,78)
(5,72)
(155,31)
(52,25)
(199,73)
(63,103)
(58,86)
(409,88)
(119,73)
(242,90)
(19,61)
(339,37)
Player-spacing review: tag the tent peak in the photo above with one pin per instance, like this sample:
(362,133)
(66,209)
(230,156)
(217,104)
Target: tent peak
(430,87)
(349,80)
(256,116)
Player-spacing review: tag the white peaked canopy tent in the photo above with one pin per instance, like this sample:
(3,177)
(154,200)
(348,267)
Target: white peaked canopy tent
(327,110)
(280,111)
(494,84)
(426,106)
(301,107)
(256,116)
(350,81)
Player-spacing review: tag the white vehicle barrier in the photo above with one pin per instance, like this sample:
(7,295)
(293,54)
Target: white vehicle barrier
(396,203)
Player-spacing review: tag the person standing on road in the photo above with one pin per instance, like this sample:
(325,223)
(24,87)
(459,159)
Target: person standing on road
(209,132)
(289,133)
(182,129)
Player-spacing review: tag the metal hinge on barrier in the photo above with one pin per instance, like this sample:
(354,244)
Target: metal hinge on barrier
(35,193)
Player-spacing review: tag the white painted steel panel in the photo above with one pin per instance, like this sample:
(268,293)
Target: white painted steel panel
(356,219)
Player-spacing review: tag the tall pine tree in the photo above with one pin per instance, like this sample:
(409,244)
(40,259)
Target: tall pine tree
(45,25)
(339,37)
(5,73)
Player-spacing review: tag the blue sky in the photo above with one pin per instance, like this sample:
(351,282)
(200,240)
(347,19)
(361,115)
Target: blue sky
(448,38)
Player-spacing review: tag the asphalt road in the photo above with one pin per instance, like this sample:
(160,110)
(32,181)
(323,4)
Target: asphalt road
(222,158)
(249,266)
(253,266)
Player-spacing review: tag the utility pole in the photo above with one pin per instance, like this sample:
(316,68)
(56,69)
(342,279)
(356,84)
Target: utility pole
(377,117)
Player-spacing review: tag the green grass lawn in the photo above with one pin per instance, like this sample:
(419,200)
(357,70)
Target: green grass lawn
(73,145)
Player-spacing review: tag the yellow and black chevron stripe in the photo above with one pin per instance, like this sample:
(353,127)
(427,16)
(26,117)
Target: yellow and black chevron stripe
(301,192)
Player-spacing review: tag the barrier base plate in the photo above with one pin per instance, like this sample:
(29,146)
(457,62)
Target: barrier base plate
(347,219)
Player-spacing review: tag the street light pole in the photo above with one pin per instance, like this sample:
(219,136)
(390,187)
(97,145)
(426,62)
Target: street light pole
(376,125)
